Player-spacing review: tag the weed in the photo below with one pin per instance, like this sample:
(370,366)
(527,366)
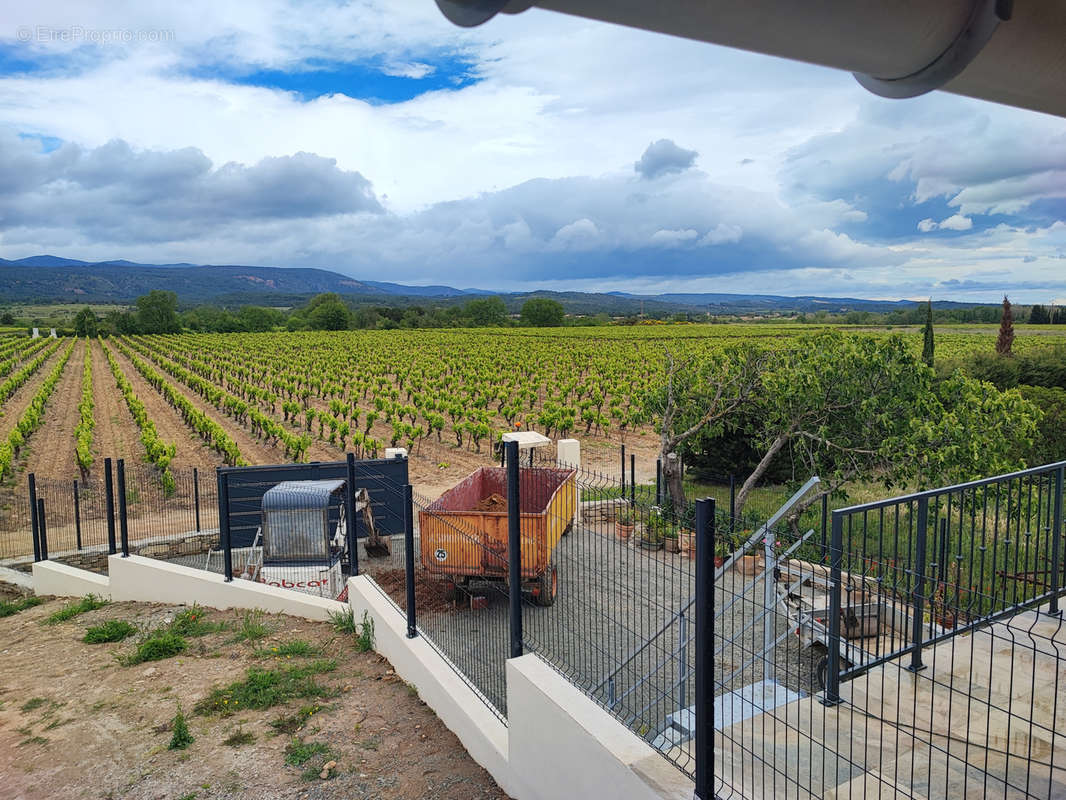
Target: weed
(33,704)
(114,630)
(373,743)
(193,622)
(189,796)
(181,738)
(343,621)
(266,688)
(8,608)
(252,628)
(294,722)
(294,647)
(239,737)
(34,740)
(300,752)
(155,647)
(88,603)
(364,641)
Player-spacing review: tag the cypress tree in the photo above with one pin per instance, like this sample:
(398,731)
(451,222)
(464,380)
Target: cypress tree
(927,348)
(1006,330)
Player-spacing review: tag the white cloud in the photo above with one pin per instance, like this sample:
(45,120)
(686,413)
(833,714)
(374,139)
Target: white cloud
(665,238)
(723,234)
(927,225)
(956,222)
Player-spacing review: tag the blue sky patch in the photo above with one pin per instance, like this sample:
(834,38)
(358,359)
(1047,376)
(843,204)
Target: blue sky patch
(48,143)
(370,81)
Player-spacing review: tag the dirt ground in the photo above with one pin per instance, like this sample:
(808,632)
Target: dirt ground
(53,442)
(75,723)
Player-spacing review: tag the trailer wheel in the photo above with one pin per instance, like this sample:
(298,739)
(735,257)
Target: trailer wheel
(547,587)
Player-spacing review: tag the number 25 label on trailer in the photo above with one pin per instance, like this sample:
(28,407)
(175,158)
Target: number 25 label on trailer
(441,554)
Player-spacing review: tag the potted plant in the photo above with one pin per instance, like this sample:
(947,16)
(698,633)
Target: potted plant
(721,552)
(624,524)
(673,543)
(651,537)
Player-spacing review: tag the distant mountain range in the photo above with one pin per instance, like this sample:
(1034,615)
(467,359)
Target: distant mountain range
(50,279)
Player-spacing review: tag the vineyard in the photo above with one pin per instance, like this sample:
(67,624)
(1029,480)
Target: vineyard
(202,400)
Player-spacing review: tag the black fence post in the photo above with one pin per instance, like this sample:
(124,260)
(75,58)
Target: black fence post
(34,527)
(658,481)
(409,558)
(223,523)
(1056,544)
(350,512)
(832,664)
(917,600)
(704,733)
(825,526)
(109,490)
(623,472)
(196,495)
(632,479)
(514,548)
(77,515)
(123,529)
(42,528)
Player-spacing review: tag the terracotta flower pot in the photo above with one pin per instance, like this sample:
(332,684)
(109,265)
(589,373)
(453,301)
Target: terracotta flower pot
(719,560)
(686,541)
(623,532)
(673,544)
(750,565)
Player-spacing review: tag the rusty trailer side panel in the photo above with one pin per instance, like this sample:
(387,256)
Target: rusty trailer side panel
(459,540)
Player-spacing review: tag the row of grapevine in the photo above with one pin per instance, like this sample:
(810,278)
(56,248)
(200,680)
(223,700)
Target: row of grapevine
(11,356)
(32,417)
(208,430)
(157,451)
(12,384)
(264,426)
(83,433)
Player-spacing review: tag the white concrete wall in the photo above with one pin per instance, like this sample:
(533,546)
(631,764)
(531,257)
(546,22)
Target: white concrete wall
(152,581)
(563,745)
(52,577)
(568,451)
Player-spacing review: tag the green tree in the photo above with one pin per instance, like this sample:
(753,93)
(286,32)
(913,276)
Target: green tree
(1038,315)
(86,323)
(7,318)
(1006,330)
(157,312)
(485,312)
(327,312)
(258,318)
(928,345)
(543,312)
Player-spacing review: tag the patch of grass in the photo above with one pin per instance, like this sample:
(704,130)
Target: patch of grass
(300,752)
(373,743)
(33,704)
(189,796)
(265,688)
(193,622)
(251,627)
(343,621)
(180,738)
(114,630)
(293,722)
(239,737)
(294,647)
(8,608)
(364,640)
(156,646)
(88,603)
(34,740)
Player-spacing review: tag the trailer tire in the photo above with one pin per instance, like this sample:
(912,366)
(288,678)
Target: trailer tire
(547,587)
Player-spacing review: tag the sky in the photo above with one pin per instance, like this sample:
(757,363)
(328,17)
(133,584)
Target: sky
(539,150)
